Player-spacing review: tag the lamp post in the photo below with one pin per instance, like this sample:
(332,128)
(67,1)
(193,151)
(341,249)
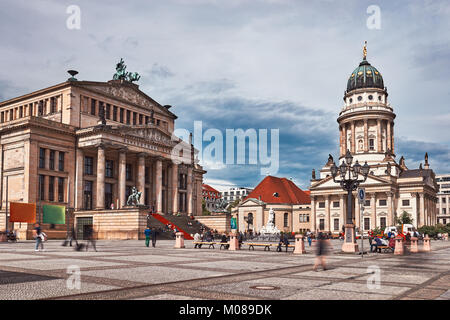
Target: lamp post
(348,178)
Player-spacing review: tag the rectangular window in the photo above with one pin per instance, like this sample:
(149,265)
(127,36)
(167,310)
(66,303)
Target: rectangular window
(129,172)
(52,105)
(40,108)
(443,200)
(93,103)
(444,210)
(405,203)
(366,223)
(51,163)
(114,113)
(88,195)
(382,203)
(2,117)
(51,188)
(121,115)
(61,161)
(158,122)
(30,113)
(128,116)
(108,111)
(335,204)
(322,224)
(20,112)
(41,158)
(336,225)
(109,168)
(141,119)
(41,187)
(147,175)
(108,195)
(60,189)
(367,203)
(88,165)
(383,223)
(371,144)
(147,119)
(321,204)
(134,118)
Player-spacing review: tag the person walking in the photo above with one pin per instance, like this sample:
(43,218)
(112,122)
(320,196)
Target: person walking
(37,234)
(90,237)
(321,251)
(154,234)
(309,238)
(73,236)
(148,234)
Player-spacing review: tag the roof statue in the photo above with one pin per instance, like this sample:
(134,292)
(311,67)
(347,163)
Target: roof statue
(427,165)
(313,174)
(122,74)
(365,50)
(330,160)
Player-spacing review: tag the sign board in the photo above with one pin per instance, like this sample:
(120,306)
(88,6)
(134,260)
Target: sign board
(361,195)
(233,223)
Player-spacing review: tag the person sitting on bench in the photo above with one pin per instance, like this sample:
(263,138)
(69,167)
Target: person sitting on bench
(374,246)
(197,238)
(224,241)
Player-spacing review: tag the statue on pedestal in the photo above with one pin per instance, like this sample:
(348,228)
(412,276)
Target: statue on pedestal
(134,198)
(270,227)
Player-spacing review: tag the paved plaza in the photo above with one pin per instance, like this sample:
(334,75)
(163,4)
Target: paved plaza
(129,270)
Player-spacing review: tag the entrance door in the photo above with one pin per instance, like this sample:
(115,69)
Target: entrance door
(82,224)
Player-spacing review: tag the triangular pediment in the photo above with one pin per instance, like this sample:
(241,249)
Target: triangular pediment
(251,202)
(147,132)
(126,92)
(329,183)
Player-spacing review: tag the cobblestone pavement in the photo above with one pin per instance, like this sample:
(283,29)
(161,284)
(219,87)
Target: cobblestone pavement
(129,270)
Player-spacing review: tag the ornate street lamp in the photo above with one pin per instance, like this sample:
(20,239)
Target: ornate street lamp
(349,182)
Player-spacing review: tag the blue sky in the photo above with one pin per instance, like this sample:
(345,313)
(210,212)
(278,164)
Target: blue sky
(258,64)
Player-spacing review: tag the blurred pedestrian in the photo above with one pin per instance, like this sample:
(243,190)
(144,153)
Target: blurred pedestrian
(154,234)
(309,238)
(90,237)
(321,251)
(37,234)
(148,234)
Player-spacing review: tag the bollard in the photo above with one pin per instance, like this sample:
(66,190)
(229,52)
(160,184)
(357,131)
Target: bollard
(426,244)
(299,244)
(179,241)
(399,250)
(234,242)
(414,246)
(446,236)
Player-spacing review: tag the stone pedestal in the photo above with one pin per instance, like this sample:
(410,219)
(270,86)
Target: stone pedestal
(399,249)
(414,246)
(426,244)
(179,241)
(3,237)
(446,236)
(234,242)
(350,244)
(299,244)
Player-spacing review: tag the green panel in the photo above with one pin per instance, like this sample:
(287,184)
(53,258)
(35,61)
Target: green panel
(54,214)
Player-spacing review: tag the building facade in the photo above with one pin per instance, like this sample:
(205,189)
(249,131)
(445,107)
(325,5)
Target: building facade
(85,145)
(211,197)
(443,195)
(290,204)
(235,193)
(366,129)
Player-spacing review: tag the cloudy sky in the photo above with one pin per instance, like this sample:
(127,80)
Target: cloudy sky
(261,64)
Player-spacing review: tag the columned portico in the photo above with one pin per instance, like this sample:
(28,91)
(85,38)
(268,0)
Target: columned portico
(141,176)
(100,178)
(174,188)
(189,191)
(122,178)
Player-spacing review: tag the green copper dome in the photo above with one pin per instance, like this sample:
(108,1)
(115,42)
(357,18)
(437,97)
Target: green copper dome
(365,76)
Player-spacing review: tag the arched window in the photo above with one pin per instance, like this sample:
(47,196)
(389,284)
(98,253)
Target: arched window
(250,218)
(286,219)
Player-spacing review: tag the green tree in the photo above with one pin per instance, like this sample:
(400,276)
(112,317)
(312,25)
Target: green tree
(404,218)
(205,211)
(232,205)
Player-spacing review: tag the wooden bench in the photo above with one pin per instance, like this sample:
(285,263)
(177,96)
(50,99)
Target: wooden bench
(200,243)
(251,246)
(385,249)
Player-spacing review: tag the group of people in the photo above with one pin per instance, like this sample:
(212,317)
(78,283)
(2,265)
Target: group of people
(150,235)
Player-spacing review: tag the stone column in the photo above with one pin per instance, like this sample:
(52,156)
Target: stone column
(390,221)
(46,183)
(313,214)
(327,213)
(345,140)
(422,210)
(189,191)
(158,186)
(174,188)
(366,136)
(353,138)
(373,203)
(100,178)
(379,139)
(79,180)
(141,176)
(122,178)
(388,135)
(392,137)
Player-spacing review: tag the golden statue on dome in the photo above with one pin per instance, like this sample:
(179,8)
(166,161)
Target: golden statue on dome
(365,50)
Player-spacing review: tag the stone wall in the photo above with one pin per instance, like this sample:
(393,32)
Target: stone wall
(221,223)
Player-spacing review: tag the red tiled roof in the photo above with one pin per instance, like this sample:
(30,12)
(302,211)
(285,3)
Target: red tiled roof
(209,189)
(287,191)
